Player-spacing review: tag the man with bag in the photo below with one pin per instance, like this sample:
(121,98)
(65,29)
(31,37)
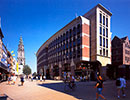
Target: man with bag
(121,85)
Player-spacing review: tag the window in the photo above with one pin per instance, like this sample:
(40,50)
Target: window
(74,31)
(103,31)
(70,34)
(100,51)
(74,44)
(103,42)
(100,40)
(100,18)
(103,20)
(106,43)
(107,22)
(100,29)
(106,32)
(104,52)
(67,35)
(78,28)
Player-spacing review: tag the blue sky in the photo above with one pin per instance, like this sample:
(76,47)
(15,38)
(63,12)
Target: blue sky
(37,20)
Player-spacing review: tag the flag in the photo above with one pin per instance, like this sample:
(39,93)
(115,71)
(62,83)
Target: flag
(13,54)
(17,67)
(12,51)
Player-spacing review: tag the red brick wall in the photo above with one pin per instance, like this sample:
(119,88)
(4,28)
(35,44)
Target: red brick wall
(85,41)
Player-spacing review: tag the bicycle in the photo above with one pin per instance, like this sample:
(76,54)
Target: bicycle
(69,87)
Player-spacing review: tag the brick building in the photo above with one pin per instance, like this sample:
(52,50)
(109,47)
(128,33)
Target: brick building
(121,51)
(83,41)
(121,56)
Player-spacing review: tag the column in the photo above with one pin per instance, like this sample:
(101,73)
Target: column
(60,70)
(51,73)
(72,65)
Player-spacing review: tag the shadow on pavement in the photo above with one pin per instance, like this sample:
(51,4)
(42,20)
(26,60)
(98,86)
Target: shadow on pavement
(81,91)
(5,97)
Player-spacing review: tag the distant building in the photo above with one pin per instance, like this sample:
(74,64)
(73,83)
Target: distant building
(21,56)
(121,51)
(82,42)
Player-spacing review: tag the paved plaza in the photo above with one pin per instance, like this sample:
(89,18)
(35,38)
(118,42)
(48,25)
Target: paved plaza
(54,90)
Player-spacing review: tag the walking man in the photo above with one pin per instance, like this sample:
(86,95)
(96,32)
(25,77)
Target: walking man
(99,86)
(121,85)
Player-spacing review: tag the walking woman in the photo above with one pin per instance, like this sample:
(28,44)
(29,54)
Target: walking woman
(22,80)
(99,86)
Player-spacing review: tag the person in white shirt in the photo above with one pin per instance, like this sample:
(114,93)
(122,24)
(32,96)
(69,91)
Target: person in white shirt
(14,79)
(122,86)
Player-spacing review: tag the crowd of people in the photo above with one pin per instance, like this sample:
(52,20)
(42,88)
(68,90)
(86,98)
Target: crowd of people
(68,77)
(120,84)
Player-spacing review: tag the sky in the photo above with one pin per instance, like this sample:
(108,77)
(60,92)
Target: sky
(37,20)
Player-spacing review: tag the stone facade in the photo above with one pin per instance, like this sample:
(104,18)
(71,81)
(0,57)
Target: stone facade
(21,55)
(120,51)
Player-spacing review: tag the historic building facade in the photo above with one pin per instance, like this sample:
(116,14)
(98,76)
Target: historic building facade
(84,40)
(121,51)
(3,57)
(21,56)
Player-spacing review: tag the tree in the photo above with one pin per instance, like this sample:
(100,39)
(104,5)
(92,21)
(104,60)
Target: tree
(26,70)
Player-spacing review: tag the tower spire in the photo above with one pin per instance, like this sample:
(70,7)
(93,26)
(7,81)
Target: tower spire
(21,55)
(21,40)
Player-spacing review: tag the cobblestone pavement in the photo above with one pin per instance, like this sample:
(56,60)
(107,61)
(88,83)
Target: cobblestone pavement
(54,90)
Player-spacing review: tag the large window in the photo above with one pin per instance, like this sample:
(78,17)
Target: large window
(104,52)
(103,31)
(106,32)
(106,43)
(103,20)
(100,51)
(70,33)
(100,40)
(100,29)
(100,18)
(106,21)
(103,42)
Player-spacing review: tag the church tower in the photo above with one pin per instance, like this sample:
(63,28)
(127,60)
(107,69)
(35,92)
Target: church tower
(21,56)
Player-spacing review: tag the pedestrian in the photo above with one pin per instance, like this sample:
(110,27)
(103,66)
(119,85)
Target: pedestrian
(9,79)
(121,85)
(44,78)
(22,80)
(99,85)
(40,78)
(37,78)
(0,77)
(14,79)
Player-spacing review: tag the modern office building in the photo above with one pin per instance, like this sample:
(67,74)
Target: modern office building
(82,42)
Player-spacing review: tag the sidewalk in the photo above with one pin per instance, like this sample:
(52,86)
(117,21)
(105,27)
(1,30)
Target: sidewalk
(54,90)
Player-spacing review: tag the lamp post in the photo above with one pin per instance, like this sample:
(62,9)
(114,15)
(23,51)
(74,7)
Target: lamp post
(89,72)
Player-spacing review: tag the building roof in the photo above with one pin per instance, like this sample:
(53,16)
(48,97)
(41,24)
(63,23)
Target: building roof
(124,38)
(103,8)
(1,33)
(121,39)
